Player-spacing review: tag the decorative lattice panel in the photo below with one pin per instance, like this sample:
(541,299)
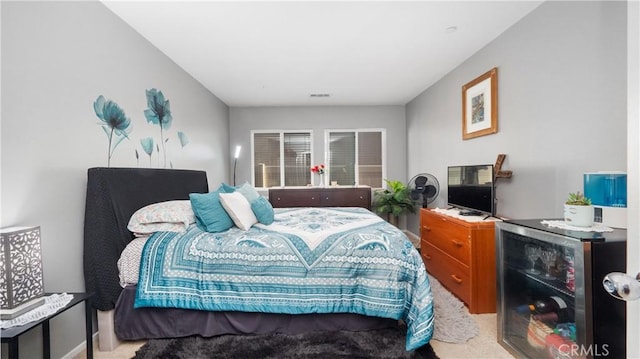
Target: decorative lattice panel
(21,268)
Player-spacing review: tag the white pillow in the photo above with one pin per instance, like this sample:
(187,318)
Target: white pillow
(239,209)
(170,216)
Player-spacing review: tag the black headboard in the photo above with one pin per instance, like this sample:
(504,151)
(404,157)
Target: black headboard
(113,195)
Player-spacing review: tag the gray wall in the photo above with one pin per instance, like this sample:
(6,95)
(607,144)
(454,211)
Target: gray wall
(392,118)
(57,58)
(562,108)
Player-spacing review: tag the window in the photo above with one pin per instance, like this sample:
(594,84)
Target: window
(356,157)
(281,158)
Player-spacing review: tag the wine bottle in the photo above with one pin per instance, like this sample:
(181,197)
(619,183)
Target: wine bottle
(525,309)
(550,304)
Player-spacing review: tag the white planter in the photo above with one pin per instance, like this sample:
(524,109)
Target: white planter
(579,216)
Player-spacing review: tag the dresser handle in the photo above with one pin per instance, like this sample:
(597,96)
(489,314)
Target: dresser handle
(456,279)
(278,198)
(426,228)
(457,243)
(313,198)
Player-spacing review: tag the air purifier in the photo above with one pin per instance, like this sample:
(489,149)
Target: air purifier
(608,194)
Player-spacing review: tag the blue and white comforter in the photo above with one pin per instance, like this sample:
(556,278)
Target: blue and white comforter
(310,260)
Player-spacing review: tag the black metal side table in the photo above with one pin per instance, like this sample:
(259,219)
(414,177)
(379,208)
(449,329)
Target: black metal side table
(11,335)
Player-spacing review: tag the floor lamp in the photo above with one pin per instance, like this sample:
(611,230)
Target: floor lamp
(235,163)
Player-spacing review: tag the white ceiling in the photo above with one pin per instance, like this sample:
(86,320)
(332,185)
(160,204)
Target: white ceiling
(268,53)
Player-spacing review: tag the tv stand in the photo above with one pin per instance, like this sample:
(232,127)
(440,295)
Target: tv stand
(468,212)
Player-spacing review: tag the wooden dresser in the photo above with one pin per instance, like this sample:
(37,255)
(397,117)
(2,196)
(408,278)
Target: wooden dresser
(462,256)
(321,197)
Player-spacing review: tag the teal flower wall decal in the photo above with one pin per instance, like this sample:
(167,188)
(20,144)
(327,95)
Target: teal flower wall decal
(147,146)
(184,140)
(115,123)
(159,113)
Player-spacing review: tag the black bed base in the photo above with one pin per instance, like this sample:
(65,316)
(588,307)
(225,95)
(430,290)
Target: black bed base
(153,323)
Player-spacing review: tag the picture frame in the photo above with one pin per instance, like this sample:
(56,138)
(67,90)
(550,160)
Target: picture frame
(480,105)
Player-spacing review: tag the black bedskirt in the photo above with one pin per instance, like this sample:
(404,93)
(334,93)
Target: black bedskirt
(152,323)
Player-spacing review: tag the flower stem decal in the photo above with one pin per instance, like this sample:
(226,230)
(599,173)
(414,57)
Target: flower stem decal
(184,140)
(147,146)
(159,113)
(115,123)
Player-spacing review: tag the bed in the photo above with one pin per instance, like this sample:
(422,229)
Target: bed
(192,282)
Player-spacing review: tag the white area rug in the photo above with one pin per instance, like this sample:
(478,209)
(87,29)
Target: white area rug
(454,324)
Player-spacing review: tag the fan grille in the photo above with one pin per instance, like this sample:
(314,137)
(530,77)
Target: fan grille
(424,186)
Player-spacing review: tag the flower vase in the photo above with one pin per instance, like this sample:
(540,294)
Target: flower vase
(321,181)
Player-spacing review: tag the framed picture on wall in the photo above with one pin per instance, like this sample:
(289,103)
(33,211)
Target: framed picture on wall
(480,105)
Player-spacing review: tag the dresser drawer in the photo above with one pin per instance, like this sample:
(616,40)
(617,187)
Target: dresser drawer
(452,274)
(448,236)
(346,197)
(460,254)
(294,198)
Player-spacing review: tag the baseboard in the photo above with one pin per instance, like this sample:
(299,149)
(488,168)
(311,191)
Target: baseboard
(81,348)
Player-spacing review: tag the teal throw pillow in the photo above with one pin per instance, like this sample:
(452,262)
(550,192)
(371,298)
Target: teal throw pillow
(210,215)
(248,192)
(263,210)
(226,188)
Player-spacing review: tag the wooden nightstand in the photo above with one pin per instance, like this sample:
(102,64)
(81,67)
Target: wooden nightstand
(11,335)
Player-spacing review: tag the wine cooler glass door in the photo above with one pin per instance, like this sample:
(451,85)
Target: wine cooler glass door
(537,297)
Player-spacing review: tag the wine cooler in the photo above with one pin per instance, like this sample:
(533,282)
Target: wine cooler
(551,302)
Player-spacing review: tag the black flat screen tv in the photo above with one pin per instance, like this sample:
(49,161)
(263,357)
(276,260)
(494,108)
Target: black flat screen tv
(471,189)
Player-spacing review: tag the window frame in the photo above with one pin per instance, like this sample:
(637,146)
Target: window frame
(383,146)
(282,159)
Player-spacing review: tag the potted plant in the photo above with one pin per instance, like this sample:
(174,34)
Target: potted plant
(393,201)
(578,210)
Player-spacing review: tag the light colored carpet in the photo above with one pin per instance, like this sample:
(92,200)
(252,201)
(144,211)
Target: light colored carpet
(453,322)
(485,345)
